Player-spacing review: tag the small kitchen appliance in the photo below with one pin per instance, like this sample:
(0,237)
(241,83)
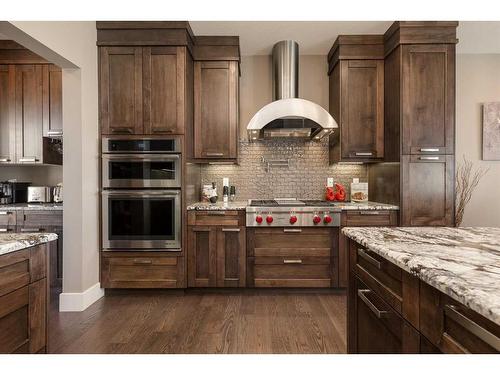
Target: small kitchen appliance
(13,192)
(39,194)
(58,193)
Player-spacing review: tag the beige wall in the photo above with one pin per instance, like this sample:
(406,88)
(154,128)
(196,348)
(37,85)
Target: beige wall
(478,81)
(256,84)
(72,45)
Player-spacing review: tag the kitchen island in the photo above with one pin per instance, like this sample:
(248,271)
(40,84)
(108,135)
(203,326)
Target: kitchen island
(423,289)
(24,291)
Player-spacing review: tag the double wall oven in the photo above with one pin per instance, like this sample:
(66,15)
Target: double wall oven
(141,196)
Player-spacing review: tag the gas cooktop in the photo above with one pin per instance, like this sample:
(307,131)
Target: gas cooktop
(285,202)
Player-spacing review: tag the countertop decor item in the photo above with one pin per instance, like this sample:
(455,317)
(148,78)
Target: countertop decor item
(359,191)
(467,179)
(491,131)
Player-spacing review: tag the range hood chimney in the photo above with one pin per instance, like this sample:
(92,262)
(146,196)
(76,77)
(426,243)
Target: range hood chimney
(288,116)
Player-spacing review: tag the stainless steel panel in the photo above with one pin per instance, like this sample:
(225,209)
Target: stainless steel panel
(285,70)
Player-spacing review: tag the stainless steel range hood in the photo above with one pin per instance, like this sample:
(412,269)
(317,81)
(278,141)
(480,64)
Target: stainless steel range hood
(288,116)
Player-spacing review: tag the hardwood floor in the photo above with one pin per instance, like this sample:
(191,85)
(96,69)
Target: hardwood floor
(246,321)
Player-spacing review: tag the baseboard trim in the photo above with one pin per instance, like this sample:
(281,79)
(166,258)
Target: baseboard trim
(80,301)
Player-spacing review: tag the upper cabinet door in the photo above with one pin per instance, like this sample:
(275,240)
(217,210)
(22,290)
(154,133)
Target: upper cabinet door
(362,109)
(163,84)
(121,90)
(52,124)
(7,114)
(428,99)
(30,109)
(215,109)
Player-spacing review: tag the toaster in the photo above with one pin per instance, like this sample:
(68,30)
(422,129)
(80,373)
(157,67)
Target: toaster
(39,194)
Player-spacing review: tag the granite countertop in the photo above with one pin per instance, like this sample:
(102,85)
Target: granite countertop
(242,205)
(32,206)
(205,206)
(463,263)
(17,241)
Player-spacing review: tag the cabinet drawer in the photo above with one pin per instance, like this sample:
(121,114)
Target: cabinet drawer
(233,218)
(8,218)
(14,271)
(142,271)
(45,218)
(289,272)
(14,325)
(370,218)
(379,274)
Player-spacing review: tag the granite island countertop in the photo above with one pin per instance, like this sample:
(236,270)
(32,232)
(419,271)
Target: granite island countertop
(18,241)
(32,206)
(463,263)
(242,205)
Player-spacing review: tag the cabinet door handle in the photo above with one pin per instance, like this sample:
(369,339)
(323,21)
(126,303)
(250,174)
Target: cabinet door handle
(142,261)
(122,130)
(53,133)
(3,230)
(5,212)
(429,158)
(363,254)
(162,130)
(286,230)
(230,229)
(30,159)
(4,160)
(215,154)
(469,325)
(292,261)
(201,229)
(378,313)
(363,153)
(429,150)
(24,230)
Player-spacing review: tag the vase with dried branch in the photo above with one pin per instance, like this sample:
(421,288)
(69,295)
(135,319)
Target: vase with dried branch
(467,179)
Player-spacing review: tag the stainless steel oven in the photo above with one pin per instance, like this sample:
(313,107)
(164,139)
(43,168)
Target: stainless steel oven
(141,163)
(141,220)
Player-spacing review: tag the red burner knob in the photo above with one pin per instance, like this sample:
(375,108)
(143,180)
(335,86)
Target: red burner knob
(327,219)
(258,219)
(269,219)
(316,219)
(293,219)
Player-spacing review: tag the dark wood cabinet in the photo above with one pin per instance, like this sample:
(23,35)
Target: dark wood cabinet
(146,269)
(24,301)
(120,82)
(356,70)
(7,114)
(216,109)
(428,190)
(428,99)
(216,249)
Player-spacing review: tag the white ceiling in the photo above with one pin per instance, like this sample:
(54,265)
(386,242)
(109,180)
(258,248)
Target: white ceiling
(317,37)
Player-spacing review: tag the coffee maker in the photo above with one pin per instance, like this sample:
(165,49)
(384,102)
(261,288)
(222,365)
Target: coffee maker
(13,192)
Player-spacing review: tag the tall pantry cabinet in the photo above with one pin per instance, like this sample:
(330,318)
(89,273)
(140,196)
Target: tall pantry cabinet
(419,123)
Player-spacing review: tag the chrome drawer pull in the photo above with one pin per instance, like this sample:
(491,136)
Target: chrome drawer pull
(230,229)
(429,150)
(54,133)
(4,160)
(292,261)
(216,213)
(201,229)
(28,160)
(122,130)
(362,253)
(452,312)
(6,230)
(32,230)
(139,261)
(215,154)
(429,157)
(5,212)
(364,153)
(371,306)
(285,230)
(369,213)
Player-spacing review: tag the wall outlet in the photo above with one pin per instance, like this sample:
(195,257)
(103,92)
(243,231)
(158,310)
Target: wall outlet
(329,182)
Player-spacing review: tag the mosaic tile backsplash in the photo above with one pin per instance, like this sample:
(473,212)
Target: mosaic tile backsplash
(305,177)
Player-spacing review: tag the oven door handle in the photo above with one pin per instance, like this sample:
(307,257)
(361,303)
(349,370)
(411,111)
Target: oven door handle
(140,193)
(140,157)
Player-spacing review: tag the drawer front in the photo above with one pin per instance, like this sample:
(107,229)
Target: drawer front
(370,218)
(142,271)
(379,274)
(378,328)
(222,217)
(14,271)
(36,219)
(14,324)
(289,272)
(8,218)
